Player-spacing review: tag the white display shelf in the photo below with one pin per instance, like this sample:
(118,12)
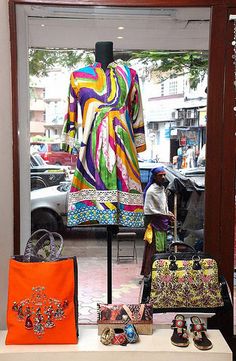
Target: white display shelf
(151,348)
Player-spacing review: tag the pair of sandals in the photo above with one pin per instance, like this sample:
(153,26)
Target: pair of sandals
(180,337)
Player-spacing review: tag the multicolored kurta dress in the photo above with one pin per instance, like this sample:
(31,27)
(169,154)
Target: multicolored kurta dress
(106,187)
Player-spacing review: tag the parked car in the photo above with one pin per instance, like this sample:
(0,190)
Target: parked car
(49,205)
(44,175)
(52,153)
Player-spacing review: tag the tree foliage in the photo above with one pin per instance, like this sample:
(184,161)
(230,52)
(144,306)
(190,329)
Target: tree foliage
(41,61)
(167,64)
(173,64)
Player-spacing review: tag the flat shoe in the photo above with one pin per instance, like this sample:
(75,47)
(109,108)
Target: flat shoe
(179,337)
(201,341)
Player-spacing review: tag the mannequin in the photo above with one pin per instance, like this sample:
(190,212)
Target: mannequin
(106,187)
(104,53)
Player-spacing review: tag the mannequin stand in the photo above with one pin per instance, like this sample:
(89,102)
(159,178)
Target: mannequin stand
(111,231)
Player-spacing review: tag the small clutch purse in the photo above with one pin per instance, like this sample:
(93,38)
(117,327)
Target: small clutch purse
(118,315)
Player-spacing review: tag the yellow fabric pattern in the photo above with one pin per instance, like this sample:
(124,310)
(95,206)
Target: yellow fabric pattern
(148,234)
(185,287)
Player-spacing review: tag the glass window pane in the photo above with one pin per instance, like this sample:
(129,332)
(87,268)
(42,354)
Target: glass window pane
(175,104)
(55,147)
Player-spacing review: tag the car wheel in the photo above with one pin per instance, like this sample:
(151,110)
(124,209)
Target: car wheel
(37,183)
(46,219)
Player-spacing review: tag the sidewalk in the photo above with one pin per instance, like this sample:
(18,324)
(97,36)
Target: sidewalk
(90,247)
(91,250)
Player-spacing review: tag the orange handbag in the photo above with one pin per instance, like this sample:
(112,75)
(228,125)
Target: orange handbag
(42,295)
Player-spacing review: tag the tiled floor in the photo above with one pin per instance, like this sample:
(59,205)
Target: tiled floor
(92,285)
(91,250)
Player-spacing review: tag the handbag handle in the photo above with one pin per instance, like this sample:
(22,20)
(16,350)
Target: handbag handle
(32,249)
(55,251)
(176,244)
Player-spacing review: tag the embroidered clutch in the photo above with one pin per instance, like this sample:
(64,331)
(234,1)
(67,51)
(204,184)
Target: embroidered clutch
(113,315)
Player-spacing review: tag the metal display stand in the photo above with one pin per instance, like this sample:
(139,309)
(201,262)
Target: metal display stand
(111,231)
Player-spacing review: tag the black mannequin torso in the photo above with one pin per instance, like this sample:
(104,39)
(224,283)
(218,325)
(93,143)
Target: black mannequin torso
(104,53)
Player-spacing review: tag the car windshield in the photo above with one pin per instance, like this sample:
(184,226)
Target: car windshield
(42,147)
(55,147)
(38,159)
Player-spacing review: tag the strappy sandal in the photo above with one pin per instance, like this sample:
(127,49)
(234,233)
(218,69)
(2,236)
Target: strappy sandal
(179,337)
(199,336)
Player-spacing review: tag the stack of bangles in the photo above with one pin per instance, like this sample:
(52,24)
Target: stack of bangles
(119,336)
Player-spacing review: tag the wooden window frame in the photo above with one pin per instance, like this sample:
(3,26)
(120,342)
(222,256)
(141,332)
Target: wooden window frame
(220,169)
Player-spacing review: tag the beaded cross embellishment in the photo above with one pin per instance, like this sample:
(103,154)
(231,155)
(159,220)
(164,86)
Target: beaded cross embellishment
(39,312)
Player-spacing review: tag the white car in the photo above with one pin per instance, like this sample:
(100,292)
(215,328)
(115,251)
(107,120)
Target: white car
(49,207)
(45,175)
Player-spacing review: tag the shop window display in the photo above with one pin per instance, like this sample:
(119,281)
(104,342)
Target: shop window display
(85,201)
(111,210)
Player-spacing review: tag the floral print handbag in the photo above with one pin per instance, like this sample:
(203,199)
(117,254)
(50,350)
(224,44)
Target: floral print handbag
(183,281)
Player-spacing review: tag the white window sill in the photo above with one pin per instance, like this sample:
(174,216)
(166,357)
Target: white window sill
(151,348)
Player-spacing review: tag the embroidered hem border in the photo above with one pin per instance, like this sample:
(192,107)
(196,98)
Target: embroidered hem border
(105,196)
(105,216)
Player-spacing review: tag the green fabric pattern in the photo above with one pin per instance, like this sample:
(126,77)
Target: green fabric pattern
(160,240)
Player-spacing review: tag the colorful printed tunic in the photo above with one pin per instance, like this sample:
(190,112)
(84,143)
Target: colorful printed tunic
(106,186)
